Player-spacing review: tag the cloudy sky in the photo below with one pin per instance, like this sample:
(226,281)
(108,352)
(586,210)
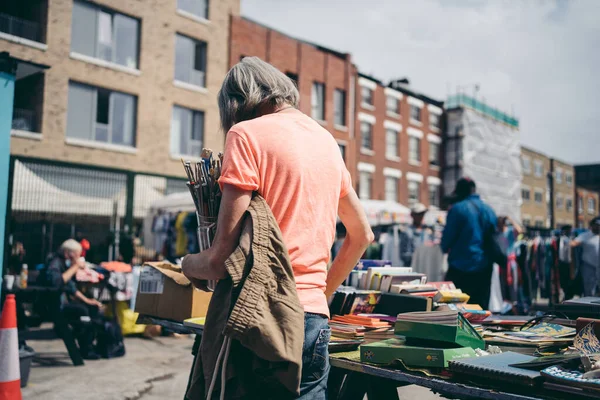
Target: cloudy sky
(538,58)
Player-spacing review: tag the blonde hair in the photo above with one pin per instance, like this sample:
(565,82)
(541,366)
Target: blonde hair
(251,88)
(71,245)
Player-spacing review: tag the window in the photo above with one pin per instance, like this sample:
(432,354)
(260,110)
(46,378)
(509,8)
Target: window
(366,134)
(580,204)
(365,183)
(391,143)
(569,178)
(342,150)
(560,202)
(391,188)
(198,8)
(187,132)
(539,168)
(559,175)
(569,204)
(539,224)
(525,194)
(26,19)
(293,77)
(392,104)
(591,205)
(414,195)
(526,164)
(434,195)
(318,101)
(434,120)
(101,115)
(28,103)
(107,35)
(339,102)
(367,95)
(526,223)
(415,113)
(434,154)
(414,149)
(538,197)
(190,61)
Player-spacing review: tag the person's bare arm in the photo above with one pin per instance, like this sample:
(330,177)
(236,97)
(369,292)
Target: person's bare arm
(358,238)
(70,272)
(210,264)
(90,302)
(518,228)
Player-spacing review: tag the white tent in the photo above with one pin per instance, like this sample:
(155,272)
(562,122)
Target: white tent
(33,193)
(382,212)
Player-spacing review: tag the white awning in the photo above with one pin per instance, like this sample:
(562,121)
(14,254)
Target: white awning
(383,212)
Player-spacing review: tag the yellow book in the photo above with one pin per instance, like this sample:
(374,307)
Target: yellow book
(451,296)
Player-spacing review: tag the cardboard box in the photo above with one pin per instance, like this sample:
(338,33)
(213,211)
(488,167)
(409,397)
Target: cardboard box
(164,292)
(390,350)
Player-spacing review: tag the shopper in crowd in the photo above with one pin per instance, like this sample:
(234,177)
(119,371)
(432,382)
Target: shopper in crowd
(510,230)
(17,258)
(60,273)
(469,226)
(414,236)
(275,150)
(590,256)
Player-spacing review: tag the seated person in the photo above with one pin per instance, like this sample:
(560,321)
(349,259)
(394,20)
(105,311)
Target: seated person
(60,273)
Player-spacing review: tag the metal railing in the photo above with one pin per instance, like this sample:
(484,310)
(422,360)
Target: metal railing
(24,120)
(20,27)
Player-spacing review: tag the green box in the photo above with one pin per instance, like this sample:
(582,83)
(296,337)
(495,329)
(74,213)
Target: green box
(462,335)
(390,350)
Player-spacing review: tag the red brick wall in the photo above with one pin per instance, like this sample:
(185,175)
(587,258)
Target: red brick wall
(379,145)
(308,62)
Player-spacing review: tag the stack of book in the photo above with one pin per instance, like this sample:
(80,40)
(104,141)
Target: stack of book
(431,339)
(348,300)
(355,327)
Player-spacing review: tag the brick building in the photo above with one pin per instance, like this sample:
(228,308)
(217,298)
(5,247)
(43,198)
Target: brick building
(129,89)
(128,79)
(535,191)
(398,134)
(563,193)
(325,77)
(547,191)
(587,207)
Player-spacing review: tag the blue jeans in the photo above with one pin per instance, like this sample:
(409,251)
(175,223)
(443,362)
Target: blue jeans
(315,357)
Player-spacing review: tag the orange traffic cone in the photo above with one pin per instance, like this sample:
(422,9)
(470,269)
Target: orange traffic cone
(10,374)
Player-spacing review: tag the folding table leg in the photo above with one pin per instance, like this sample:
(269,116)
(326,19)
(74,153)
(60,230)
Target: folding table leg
(355,386)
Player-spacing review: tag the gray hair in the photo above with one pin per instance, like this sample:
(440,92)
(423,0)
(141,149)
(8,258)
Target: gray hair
(71,245)
(252,88)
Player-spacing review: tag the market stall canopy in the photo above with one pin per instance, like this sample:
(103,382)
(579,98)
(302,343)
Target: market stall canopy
(181,201)
(33,193)
(174,202)
(383,212)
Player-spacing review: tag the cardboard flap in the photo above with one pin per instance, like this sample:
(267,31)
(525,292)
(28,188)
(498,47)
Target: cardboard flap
(171,271)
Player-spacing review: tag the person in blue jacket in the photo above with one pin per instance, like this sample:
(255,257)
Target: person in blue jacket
(469,226)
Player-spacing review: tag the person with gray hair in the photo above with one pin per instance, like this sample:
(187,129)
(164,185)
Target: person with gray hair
(60,274)
(275,150)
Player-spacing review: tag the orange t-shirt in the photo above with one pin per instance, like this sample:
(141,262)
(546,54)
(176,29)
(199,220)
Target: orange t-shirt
(296,165)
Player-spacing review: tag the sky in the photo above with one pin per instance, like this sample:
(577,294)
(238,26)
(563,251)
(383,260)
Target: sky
(536,59)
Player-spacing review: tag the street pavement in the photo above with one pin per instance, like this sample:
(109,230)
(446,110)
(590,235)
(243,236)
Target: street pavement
(152,369)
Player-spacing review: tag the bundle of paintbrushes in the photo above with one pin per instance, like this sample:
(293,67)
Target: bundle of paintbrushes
(203,183)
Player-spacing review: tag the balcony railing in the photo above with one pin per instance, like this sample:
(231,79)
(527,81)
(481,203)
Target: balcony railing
(20,27)
(24,120)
